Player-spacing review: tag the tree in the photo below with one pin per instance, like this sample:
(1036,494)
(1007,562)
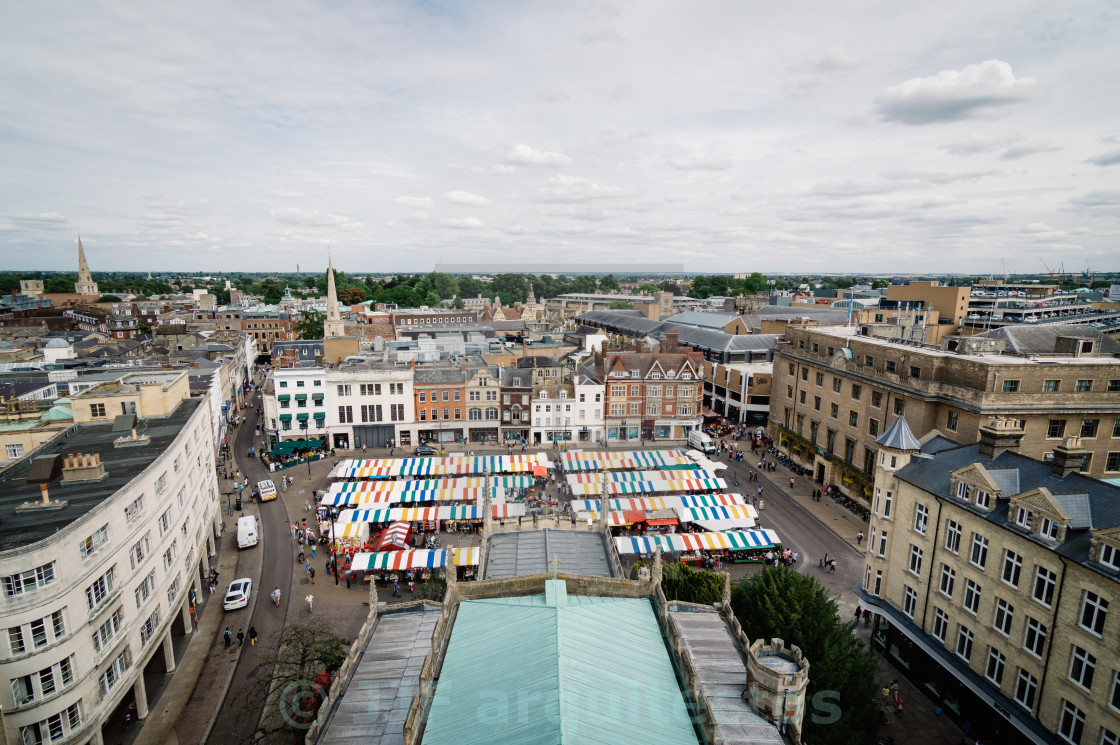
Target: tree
(297,671)
(878,284)
(779,603)
(620,305)
(680,582)
(60,283)
(672,287)
(609,284)
(433,588)
(647,288)
(352,295)
(458,304)
(108,299)
(310,325)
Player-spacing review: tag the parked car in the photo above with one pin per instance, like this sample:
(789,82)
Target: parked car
(237,596)
(426,450)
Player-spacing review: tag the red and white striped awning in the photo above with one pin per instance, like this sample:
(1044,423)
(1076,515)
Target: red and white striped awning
(413,559)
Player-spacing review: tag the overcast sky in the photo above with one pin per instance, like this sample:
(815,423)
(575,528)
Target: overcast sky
(722,136)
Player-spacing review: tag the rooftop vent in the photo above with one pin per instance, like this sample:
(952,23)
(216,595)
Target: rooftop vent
(127,423)
(43,470)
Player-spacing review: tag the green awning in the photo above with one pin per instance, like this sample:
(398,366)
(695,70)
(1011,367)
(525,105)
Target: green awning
(320,415)
(285,417)
(283,397)
(301,397)
(317,396)
(302,416)
(682,467)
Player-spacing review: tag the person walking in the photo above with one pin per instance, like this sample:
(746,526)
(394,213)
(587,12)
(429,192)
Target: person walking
(227,636)
(791,482)
(240,638)
(276,597)
(311,572)
(252,636)
(396,589)
(859,538)
(309,601)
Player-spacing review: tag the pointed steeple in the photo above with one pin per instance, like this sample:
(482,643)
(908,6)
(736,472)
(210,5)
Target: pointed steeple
(333,326)
(85,284)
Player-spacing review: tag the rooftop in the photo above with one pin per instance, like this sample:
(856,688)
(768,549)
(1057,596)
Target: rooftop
(522,553)
(23,528)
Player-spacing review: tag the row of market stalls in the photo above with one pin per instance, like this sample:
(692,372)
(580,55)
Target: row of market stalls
(575,461)
(420,490)
(450,465)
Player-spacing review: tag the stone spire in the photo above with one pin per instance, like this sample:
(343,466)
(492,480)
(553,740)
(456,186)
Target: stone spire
(85,284)
(333,325)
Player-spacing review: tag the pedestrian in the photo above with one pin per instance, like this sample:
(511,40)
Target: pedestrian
(396,590)
(859,613)
(309,601)
(300,557)
(832,566)
(859,538)
(898,705)
(791,482)
(311,572)
(240,638)
(228,637)
(307,567)
(893,688)
(252,636)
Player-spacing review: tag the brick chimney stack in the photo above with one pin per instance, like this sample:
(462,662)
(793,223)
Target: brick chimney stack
(1069,457)
(671,341)
(1002,434)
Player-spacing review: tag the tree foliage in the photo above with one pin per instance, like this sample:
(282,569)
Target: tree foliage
(108,299)
(352,295)
(310,325)
(724,285)
(681,582)
(794,607)
(433,588)
(294,671)
(620,305)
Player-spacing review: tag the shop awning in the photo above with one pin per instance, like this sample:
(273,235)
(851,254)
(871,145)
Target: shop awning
(303,416)
(283,397)
(320,415)
(285,417)
(301,397)
(395,537)
(413,559)
(677,542)
(317,396)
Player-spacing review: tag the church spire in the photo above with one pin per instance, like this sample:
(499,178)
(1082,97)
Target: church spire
(333,325)
(85,284)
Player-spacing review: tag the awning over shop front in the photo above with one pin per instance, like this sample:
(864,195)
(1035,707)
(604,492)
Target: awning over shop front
(303,416)
(413,559)
(395,537)
(283,397)
(301,397)
(676,542)
(285,417)
(320,415)
(317,396)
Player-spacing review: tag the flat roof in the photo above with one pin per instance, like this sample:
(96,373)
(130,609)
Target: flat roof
(523,553)
(23,528)
(557,668)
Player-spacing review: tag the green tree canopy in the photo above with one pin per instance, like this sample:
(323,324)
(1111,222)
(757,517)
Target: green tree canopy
(108,299)
(794,607)
(620,305)
(680,582)
(310,325)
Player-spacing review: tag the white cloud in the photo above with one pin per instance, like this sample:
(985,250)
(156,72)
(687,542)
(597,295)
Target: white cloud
(700,162)
(314,219)
(570,189)
(1026,149)
(523,155)
(419,216)
(461,222)
(467,198)
(283,194)
(1111,158)
(421,203)
(986,90)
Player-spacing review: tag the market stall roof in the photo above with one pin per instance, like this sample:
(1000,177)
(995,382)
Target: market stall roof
(662,503)
(624,476)
(465,482)
(676,542)
(449,465)
(413,559)
(414,514)
(722,512)
(394,538)
(528,552)
(650,487)
(661,518)
(620,460)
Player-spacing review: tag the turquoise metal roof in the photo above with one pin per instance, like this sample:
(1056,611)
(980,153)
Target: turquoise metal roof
(557,668)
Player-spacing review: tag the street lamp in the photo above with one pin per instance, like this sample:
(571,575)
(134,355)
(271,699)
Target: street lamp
(623,434)
(334,556)
(304,426)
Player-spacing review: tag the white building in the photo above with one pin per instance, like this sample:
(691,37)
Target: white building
(295,404)
(103,542)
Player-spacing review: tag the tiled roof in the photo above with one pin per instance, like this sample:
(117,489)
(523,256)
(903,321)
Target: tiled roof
(1042,338)
(899,437)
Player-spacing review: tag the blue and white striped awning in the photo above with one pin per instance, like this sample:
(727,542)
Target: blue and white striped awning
(676,542)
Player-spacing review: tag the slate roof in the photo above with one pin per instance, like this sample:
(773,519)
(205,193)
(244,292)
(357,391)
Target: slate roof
(703,320)
(528,552)
(634,324)
(1095,504)
(899,437)
(1041,338)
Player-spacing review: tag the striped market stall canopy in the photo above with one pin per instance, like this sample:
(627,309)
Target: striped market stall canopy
(384,499)
(418,559)
(616,518)
(469,482)
(621,460)
(662,503)
(723,512)
(449,465)
(677,542)
(649,487)
(597,478)
(414,514)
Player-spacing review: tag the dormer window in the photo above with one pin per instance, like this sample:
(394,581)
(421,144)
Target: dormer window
(1110,556)
(963,490)
(983,499)
(671,374)
(686,375)
(1049,529)
(544,394)
(563,394)
(656,375)
(1022,517)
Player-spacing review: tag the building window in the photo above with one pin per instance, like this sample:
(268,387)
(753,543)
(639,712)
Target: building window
(890,366)
(1025,687)
(836,385)
(951,423)
(820,379)
(1034,637)
(1110,556)
(982,499)
(915,560)
(876,399)
(1056,429)
(856,391)
(953,536)
(994,669)
(423,397)
(1049,529)
(15,451)
(882,542)
(1044,583)
(1011,386)
(1071,724)
(90,544)
(97,411)
(948,579)
(940,625)
(873,427)
(979,556)
(101,589)
(344,390)
(834,411)
(1004,614)
(1022,517)
(964,643)
(816,403)
(915,371)
(1082,667)
(971,596)
(878,583)
(1051,386)
(1114,694)
(1083,386)
(899,406)
(32,579)
(345,414)
(1012,567)
(1112,462)
(909,601)
(921,518)
(1089,427)
(888,502)
(853,419)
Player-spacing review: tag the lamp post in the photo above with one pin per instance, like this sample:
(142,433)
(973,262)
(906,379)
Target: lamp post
(304,425)
(623,433)
(334,556)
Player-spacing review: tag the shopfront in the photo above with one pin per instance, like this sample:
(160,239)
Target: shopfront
(484,434)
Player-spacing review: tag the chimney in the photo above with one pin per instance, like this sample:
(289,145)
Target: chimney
(1001,435)
(671,341)
(1069,457)
(82,467)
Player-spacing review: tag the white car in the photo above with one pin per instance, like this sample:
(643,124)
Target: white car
(237,596)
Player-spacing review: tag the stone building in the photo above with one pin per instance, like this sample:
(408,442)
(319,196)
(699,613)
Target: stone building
(85,284)
(994,582)
(835,389)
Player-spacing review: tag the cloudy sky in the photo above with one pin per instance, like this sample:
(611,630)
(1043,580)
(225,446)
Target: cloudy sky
(717,135)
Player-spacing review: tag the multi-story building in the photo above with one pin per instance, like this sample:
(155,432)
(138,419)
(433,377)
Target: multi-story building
(266,326)
(552,410)
(295,404)
(482,390)
(835,389)
(651,395)
(370,403)
(440,389)
(995,583)
(517,392)
(738,391)
(587,423)
(104,542)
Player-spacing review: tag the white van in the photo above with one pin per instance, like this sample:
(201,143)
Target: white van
(701,441)
(247,531)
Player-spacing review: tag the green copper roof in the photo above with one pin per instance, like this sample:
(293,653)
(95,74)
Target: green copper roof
(557,668)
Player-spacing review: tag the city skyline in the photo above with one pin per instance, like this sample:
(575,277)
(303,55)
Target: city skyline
(865,139)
